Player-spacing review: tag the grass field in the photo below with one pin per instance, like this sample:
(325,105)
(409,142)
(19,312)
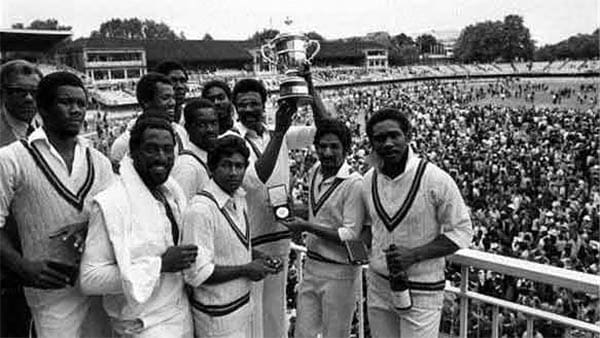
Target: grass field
(544,98)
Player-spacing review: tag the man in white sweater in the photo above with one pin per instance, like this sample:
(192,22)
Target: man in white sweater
(326,299)
(132,256)
(225,268)
(417,207)
(156,96)
(47,183)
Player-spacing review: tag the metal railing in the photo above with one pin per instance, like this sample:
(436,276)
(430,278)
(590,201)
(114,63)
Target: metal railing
(466,258)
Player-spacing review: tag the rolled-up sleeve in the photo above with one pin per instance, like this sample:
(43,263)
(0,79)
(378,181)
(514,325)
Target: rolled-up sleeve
(99,273)
(453,215)
(198,229)
(353,212)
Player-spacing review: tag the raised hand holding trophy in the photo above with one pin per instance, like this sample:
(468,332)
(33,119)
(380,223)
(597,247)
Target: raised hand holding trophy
(288,52)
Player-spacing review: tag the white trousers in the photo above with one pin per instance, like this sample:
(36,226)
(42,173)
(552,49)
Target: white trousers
(326,300)
(422,320)
(58,313)
(269,306)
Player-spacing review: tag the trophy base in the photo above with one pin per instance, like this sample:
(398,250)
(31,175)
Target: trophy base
(294,87)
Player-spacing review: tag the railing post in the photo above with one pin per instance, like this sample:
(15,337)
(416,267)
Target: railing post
(529,327)
(300,266)
(495,322)
(361,314)
(464,301)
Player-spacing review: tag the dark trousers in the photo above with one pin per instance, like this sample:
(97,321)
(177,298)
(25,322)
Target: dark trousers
(15,317)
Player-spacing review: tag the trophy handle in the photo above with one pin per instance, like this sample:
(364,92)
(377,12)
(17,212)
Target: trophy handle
(317,49)
(264,55)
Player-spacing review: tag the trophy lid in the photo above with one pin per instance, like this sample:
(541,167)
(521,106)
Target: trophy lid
(289,33)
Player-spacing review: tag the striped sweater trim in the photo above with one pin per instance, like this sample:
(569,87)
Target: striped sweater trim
(392,222)
(316,205)
(242,237)
(318,257)
(423,286)
(272,237)
(76,200)
(220,310)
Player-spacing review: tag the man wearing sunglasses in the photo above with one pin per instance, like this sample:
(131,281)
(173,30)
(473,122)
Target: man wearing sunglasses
(19,80)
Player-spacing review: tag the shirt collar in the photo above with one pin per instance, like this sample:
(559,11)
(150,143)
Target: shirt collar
(198,151)
(344,172)
(39,135)
(412,160)
(221,196)
(247,131)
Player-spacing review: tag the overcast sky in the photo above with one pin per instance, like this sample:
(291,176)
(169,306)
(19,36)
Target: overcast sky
(549,21)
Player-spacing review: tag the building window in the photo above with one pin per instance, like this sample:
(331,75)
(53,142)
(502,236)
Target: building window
(133,73)
(117,74)
(100,74)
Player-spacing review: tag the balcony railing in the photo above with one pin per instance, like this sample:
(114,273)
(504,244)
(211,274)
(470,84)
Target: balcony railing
(466,258)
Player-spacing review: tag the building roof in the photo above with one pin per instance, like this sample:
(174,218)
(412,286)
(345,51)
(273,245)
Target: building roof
(13,40)
(184,51)
(189,51)
(194,51)
(346,49)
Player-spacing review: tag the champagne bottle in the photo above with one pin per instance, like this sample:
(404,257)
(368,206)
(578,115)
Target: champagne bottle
(399,284)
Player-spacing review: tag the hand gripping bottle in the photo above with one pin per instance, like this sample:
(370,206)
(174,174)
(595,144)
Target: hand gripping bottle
(399,284)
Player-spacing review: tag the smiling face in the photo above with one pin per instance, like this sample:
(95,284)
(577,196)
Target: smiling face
(229,172)
(155,157)
(389,141)
(251,109)
(163,101)
(65,116)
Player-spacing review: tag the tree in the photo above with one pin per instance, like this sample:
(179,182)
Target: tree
(405,54)
(489,41)
(580,46)
(48,24)
(516,39)
(426,43)
(403,40)
(134,28)
(207,37)
(481,42)
(260,37)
